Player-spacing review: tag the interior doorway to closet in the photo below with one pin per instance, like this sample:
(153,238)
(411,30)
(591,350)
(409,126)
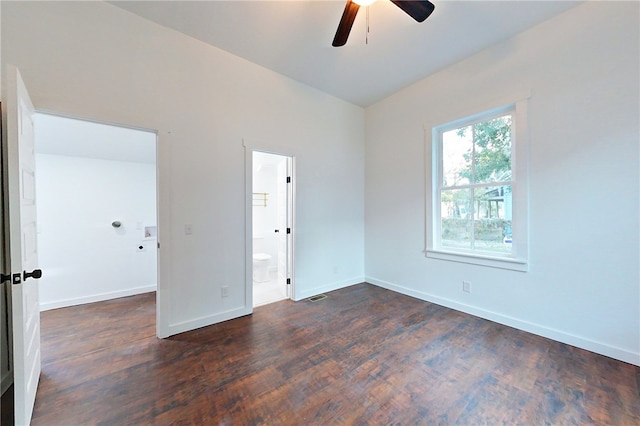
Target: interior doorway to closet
(272,230)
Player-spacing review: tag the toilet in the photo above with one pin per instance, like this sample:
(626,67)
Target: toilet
(261,267)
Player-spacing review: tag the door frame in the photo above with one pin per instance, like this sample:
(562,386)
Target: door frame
(251,147)
(159,228)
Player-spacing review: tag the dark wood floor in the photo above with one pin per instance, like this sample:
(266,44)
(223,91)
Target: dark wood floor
(7,417)
(364,355)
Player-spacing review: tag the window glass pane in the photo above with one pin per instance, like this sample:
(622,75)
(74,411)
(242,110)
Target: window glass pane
(472,186)
(456,218)
(457,145)
(492,219)
(492,150)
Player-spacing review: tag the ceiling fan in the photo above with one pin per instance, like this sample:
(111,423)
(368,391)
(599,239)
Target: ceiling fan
(417,9)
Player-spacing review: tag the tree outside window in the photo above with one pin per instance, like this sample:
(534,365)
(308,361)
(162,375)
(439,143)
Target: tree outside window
(477,202)
(475,190)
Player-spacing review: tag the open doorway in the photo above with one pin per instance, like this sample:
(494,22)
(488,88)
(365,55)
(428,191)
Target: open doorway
(96,189)
(272,214)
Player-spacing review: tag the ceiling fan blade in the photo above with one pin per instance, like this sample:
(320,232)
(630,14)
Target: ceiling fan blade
(417,9)
(346,22)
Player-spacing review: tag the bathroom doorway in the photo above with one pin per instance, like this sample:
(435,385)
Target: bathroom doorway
(272,230)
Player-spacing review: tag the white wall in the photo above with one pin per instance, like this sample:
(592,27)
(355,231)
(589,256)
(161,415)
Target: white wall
(583,283)
(92,60)
(95,61)
(85,259)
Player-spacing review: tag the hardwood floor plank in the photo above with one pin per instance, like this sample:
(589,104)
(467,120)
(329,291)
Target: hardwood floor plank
(82,329)
(362,356)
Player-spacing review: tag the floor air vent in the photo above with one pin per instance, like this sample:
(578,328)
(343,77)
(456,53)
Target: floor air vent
(318,297)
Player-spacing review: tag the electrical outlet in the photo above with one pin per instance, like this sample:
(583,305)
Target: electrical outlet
(225,291)
(188,229)
(466,286)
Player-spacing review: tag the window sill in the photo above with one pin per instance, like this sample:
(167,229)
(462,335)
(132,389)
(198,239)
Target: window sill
(482,260)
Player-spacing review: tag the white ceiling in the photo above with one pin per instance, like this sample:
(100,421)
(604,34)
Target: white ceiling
(78,138)
(293,37)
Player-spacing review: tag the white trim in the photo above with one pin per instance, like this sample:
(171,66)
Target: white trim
(518,258)
(533,328)
(162,267)
(95,121)
(329,287)
(250,147)
(96,298)
(520,174)
(163,212)
(248,227)
(513,264)
(182,327)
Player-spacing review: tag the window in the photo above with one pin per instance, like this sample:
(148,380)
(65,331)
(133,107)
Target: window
(477,205)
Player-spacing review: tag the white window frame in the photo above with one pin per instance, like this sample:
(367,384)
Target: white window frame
(518,259)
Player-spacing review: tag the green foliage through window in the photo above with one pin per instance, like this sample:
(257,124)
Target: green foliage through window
(476,196)
(489,159)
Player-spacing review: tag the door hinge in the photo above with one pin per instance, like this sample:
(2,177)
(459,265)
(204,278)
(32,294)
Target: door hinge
(4,278)
(288,280)
(288,179)
(288,230)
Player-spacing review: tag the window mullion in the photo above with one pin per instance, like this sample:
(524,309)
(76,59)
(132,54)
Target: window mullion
(479,185)
(471,197)
(472,190)
(473,217)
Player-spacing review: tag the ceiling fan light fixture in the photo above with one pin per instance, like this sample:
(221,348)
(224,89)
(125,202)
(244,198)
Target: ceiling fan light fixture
(417,9)
(364,3)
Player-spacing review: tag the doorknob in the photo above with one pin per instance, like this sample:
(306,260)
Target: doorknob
(277,230)
(35,274)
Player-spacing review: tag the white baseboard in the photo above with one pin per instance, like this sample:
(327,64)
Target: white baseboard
(328,287)
(550,333)
(95,298)
(181,327)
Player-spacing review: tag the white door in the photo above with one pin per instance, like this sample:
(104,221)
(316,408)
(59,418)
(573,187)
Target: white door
(284,224)
(23,251)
